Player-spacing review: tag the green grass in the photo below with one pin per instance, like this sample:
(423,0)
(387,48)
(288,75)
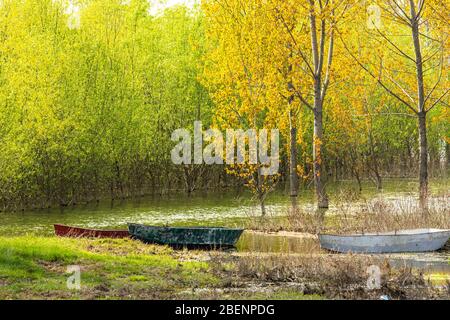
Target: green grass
(34,267)
(283,295)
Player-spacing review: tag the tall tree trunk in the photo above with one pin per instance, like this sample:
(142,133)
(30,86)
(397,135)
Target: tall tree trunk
(423,163)
(263,208)
(322,198)
(260,191)
(318,54)
(293,177)
(423,143)
(354,170)
(443,160)
(119,179)
(374,163)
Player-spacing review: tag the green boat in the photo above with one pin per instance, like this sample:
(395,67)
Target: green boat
(186,237)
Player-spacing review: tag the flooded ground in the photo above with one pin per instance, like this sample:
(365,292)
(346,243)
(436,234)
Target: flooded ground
(212,209)
(308,244)
(225,209)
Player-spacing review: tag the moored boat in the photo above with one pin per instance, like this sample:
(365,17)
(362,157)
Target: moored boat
(190,237)
(418,240)
(76,232)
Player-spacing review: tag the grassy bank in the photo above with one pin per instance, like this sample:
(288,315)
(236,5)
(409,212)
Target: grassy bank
(32,267)
(36,268)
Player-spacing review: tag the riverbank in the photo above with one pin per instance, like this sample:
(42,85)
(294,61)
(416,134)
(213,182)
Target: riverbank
(36,268)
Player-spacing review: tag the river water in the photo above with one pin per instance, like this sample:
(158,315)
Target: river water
(213,209)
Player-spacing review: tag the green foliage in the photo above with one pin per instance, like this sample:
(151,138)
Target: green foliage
(89,100)
(89,109)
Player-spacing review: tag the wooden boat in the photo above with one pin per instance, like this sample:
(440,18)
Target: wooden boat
(75,232)
(189,237)
(419,240)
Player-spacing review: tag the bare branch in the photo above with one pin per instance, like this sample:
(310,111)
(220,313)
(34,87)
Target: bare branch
(302,99)
(405,19)
(395,46)
(329,62)
(438,80)
(314,44)
(388,114)
(380,82)
(400,87)
(421,5)
(438,100)
(300,52)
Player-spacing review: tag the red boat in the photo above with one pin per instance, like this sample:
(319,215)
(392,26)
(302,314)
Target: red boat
(75,232)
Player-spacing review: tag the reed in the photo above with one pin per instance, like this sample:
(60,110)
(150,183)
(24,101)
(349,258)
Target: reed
(331,276)
(375,215)
(381,214)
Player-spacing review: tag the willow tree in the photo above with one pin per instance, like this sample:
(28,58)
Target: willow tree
(88,103)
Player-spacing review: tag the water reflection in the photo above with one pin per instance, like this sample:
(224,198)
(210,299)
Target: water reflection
(214,209)
(302,244)
(278,243)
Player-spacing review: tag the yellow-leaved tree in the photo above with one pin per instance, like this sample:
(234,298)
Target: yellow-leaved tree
(279,56)
(239,79)
(401,45)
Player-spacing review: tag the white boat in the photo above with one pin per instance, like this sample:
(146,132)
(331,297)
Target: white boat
(418,240)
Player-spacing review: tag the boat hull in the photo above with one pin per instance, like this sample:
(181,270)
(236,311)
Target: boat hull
(186,237)
(424,240)
(75,232)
